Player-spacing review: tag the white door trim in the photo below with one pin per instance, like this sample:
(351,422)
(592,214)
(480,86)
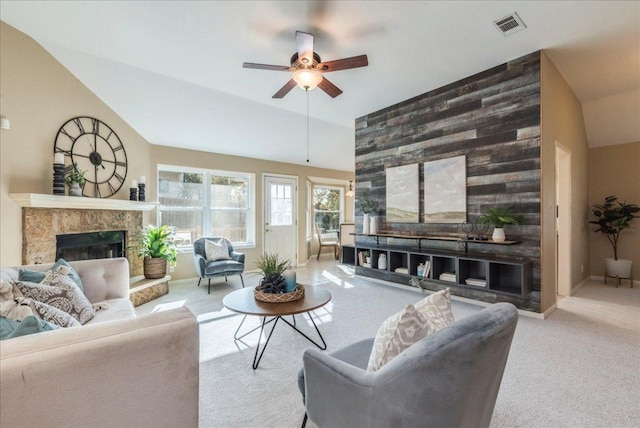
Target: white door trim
(564,256)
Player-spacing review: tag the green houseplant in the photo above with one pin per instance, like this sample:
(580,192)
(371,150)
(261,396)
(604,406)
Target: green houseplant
(612,217)
(498,217)
(272,267)
(75,179)
(157,248)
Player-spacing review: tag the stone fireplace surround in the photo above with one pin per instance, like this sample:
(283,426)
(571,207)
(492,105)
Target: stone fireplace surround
(43,219)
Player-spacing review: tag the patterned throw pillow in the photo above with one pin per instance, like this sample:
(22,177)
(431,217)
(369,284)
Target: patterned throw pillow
(54,315)
(38,276)
(396,334)
(216,250)
(437,307)
(401,330)
(60,292)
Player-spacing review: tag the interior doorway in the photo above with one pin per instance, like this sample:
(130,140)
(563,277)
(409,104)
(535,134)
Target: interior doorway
(280,216)
(563,220)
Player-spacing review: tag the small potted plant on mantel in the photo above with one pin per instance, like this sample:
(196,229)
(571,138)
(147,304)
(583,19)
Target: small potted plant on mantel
(158,248)
(74,179)
(498,217)
(613,217)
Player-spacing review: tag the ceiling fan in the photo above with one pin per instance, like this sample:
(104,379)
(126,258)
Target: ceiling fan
(307,68)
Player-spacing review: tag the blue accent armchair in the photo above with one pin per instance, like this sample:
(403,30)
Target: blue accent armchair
(448,379)
(205,269)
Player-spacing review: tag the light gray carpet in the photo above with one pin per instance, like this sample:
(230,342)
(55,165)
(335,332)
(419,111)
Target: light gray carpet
(571,370)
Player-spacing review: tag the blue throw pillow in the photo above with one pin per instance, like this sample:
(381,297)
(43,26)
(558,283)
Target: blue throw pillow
(12,328)
(37,277)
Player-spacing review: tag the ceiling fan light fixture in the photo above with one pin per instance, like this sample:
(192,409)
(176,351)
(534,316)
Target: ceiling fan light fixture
(307,78)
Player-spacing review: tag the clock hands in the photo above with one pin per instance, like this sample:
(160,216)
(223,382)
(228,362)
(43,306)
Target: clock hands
(95,157)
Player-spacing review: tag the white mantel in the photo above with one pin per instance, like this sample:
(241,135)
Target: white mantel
(35,200)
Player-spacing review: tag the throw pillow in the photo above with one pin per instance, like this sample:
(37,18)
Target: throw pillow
(12,328)
(216,250)
(36,276)
(396,334)
(54,315)
(437,307)
(57,289)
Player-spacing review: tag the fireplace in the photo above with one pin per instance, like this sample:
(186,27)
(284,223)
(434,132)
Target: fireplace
(92,245)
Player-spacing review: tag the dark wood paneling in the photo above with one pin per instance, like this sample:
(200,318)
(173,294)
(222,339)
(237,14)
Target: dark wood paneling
(493,118)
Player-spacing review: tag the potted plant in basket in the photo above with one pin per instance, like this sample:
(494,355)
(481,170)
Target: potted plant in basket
(272,268)
(613,217)
(75,179)
(157,248)
(498,217)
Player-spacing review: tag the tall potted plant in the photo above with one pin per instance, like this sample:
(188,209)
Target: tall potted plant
(157,248)
(498,217)
(612,217)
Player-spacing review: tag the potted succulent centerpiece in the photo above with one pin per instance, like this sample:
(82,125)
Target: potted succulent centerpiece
(75,179)
(278,280)
(498,217)
(158,248)
(612,217)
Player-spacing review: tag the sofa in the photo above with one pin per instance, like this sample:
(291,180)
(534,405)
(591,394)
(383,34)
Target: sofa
(116,370)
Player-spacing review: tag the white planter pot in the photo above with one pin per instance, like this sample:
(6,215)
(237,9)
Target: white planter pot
(620,268)
(75,190)
(373,225)
(498,234)
(365,224)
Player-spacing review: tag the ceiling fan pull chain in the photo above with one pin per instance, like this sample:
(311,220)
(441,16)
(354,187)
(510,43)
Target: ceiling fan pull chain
(307,91)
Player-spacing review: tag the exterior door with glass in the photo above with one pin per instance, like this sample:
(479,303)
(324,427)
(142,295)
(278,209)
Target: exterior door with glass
(280,222)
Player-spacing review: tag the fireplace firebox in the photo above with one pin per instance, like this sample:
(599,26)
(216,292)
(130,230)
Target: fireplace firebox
(92,245)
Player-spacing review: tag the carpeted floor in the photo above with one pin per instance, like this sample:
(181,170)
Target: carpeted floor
(578,368)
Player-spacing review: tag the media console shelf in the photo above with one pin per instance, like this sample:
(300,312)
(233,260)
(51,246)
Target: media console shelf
(473,272)
(419,238)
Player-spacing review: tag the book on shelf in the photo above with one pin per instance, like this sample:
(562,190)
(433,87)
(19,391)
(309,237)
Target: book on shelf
(360,258)
(447,276)
(427,269)
(401,270)
(476,281)
(366,265)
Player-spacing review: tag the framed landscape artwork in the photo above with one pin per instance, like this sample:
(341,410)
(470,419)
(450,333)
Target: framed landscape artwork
(445,190)
(403,190)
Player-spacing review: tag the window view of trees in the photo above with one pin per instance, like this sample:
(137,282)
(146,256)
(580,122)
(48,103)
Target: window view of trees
(195,210)
(326,207)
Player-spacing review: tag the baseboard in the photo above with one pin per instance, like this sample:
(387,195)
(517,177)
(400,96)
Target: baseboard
(584,282)
(548,312)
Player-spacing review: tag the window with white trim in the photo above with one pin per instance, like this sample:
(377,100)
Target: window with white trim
(327,208)
(205,203)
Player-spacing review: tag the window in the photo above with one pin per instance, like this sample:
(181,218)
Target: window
(327,208)
(201,203)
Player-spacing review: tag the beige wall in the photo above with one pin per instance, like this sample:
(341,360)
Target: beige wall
(563,123)
(615,170)
(38,95)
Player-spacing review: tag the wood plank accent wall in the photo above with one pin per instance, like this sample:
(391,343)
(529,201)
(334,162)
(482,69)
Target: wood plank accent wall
(493,118)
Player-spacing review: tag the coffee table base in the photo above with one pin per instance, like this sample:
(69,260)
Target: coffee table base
(258,355)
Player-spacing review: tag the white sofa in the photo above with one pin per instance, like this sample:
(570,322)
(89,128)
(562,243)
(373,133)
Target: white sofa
(117,370)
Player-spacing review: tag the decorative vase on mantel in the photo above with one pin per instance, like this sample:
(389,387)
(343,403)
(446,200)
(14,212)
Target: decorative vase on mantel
(365,224)
(75,189)
(373,225)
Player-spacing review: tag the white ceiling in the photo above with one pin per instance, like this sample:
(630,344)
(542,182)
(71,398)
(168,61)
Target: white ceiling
(173,70)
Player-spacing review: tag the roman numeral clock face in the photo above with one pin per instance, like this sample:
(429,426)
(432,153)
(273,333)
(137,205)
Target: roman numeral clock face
(97,150)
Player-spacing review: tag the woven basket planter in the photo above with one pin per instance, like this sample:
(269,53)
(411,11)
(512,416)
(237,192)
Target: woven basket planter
(155,268)
(296,294)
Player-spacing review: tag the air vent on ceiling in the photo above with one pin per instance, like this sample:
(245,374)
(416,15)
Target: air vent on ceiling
(509,24)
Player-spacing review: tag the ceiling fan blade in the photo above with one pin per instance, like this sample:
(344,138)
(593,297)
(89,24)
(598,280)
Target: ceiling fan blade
(266,66)
(285,89)
(344,64)
(331,89)
(305,47)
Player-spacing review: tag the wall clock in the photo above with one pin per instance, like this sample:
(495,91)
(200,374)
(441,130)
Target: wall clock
(97,150)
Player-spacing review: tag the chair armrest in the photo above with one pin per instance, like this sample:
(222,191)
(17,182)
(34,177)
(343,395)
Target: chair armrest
(200,263)
(238,257)
(135,372)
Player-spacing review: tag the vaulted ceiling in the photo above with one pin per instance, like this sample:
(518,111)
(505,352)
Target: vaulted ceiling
(173,70)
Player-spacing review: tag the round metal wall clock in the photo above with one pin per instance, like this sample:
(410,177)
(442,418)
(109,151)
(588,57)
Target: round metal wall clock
(97,150)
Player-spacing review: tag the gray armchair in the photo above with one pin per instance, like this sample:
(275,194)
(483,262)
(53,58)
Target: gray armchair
(205,269)
(448,379)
